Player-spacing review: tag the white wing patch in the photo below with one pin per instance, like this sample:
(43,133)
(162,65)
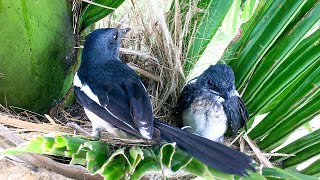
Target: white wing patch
(236,93)
(77,81)
(85,88)
(190,82)
(145,133)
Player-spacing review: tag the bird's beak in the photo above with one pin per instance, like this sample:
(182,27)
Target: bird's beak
(124,31)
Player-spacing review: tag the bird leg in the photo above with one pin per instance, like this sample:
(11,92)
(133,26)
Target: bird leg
(96,133)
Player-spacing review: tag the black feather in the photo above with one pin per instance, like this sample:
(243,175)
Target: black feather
(213,154)
(95,108)
(124,96)
(189,92)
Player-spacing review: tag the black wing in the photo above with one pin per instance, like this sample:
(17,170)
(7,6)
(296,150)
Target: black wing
(237,113)
(125,105)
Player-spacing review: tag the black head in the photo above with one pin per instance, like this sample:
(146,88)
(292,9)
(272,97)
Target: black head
(219,78)
(102,44)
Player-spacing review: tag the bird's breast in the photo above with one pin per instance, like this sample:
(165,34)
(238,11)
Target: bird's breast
(206,117)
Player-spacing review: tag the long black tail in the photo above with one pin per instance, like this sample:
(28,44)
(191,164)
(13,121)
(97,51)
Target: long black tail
(213,154)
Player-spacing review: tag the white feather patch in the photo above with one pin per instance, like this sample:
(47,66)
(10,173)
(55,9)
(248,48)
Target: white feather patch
(206,118)
(236,93)
(77,81)
(190,82)
(94,118)
(145,133)
(85,88)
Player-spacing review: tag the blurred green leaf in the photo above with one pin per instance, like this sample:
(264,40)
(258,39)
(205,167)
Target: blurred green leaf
(276,173)
(282,65)
(313,169)
(115,166)
(308,127)
(136,155)
(299,145)
(206,23)
(149,163)
(166,154)
(96,154)
(248,9)
(199,169)
(92,13)
(299,104)
(260,33)
(230,21)
(34,145)
(179,160)
(276,58)
(302,156)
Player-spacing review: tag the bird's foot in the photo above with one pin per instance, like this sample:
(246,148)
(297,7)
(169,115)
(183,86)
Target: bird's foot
(96,133)
(76,128)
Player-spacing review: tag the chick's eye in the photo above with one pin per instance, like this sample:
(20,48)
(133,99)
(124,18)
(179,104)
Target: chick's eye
(210,82)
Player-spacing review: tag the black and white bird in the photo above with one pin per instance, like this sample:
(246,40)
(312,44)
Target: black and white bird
(115,99)
(210,104)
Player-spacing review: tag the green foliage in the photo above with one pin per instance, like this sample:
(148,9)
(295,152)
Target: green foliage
(276,63)
(259,34)
(36,53)
(276,173)
(313,169)
(131,162)
(248,9)
(230,21)
(204,24)
(92,13)
(299,145)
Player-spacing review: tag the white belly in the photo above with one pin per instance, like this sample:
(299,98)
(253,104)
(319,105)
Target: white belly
(206,118)
(99,123)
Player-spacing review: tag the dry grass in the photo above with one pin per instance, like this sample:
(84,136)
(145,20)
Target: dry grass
(154,52)
(27,125)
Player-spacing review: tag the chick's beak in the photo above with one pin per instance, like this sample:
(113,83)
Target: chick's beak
(124,31)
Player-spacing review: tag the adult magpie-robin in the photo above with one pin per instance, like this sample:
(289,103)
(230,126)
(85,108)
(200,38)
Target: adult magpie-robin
(114,98)
(210,103)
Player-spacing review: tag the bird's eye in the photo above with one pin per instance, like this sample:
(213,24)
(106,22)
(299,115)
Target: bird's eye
(115,36)
(210,82)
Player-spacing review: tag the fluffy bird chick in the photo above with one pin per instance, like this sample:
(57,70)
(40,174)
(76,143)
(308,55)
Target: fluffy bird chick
(210,104)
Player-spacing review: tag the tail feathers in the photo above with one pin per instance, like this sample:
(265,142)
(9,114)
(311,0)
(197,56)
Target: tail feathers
(213,154)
